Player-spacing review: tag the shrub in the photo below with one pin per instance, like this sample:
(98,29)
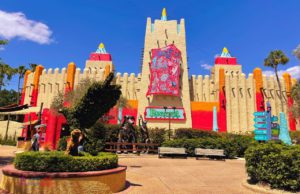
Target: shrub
(295,136)
(189,133)
(275,164)
(9,141)
(95,140)
(112,132)
(234,146)
(157,135)
(56,161)
(62,143)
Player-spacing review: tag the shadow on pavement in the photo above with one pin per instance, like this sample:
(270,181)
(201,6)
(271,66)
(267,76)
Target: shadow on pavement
(4,160)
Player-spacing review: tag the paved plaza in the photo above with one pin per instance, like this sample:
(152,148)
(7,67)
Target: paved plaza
(148,174)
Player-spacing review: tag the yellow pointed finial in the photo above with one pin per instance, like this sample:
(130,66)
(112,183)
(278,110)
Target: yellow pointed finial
(164,12)
(225,50)
(101,45)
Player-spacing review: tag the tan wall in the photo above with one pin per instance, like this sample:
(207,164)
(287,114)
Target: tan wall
(14,128)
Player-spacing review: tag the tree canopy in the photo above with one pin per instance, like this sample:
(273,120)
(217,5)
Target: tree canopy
(274,59)
(97,100)
(7,97)
(296,52)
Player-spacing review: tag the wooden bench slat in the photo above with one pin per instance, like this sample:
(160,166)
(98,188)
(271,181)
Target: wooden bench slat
(209,152)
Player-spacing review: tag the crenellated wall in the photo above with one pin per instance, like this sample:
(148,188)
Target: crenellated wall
(51,82)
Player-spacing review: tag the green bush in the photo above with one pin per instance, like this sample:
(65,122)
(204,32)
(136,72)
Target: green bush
(62,143)
(157,135)
(95,140)
(295,136)
(275,164)
(189,133)
(233,146)
(9,141)
(112,132)
(56,161)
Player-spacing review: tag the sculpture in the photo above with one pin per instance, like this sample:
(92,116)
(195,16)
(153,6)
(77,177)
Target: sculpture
(72,147)
(144,132)
(127,134)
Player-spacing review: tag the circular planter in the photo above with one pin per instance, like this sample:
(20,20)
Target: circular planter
(106,181)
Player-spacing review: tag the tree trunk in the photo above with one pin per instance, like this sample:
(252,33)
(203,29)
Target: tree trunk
(1,82)
(279,86)
(7,126)
(18,92)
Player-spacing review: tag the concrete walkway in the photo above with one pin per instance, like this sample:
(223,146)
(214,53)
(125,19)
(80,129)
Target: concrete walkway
(150,175)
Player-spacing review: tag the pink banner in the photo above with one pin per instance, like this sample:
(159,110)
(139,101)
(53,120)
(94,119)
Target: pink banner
(165,71)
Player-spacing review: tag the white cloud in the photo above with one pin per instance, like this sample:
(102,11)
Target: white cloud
(16,25)
(293,71)
(206,66)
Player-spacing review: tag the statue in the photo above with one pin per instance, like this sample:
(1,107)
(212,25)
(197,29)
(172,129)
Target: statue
(127,134)
(72,147)
(144,132)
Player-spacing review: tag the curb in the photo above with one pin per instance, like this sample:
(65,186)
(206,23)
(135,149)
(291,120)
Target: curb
(259,189)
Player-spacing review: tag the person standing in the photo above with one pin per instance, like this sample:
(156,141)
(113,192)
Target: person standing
(35,145)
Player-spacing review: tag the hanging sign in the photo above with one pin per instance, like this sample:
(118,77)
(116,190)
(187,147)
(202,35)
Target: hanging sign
(159,113)
(165,71)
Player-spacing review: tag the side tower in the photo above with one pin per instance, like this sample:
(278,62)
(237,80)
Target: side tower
(100,60)
(159,35)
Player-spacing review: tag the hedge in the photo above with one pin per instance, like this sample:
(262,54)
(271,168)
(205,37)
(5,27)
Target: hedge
(189,133)
(56,161)
(233,145)
(275,164)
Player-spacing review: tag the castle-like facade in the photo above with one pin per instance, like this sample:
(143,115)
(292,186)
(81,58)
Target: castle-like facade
(233,94)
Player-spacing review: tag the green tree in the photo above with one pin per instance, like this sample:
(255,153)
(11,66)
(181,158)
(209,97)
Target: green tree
(3,42)
(274,59)
(7,97)
(33,66)
(21,72)
(95,101)
(296,52)
(6,73)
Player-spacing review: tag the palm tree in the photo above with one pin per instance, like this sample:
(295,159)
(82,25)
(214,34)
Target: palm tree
(32,66)
(6,72)
(296,52)
(3,42)
(275,58)
(21,71)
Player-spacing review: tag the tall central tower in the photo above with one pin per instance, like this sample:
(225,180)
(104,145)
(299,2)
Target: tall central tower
(160,34)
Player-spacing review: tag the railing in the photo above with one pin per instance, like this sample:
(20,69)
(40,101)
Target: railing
(131,147)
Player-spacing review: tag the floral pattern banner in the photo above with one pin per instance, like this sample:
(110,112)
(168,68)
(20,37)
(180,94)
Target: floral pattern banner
(165,71)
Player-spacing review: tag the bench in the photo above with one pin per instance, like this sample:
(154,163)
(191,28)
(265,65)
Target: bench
(210,153)
(169,151)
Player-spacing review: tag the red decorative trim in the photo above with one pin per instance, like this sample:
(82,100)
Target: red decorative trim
(10,170)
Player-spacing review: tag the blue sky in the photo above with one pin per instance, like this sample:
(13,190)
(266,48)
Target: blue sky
(54,32)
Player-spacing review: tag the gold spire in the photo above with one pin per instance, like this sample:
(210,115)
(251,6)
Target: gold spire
(164,12)
(101,46)
(225,50)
